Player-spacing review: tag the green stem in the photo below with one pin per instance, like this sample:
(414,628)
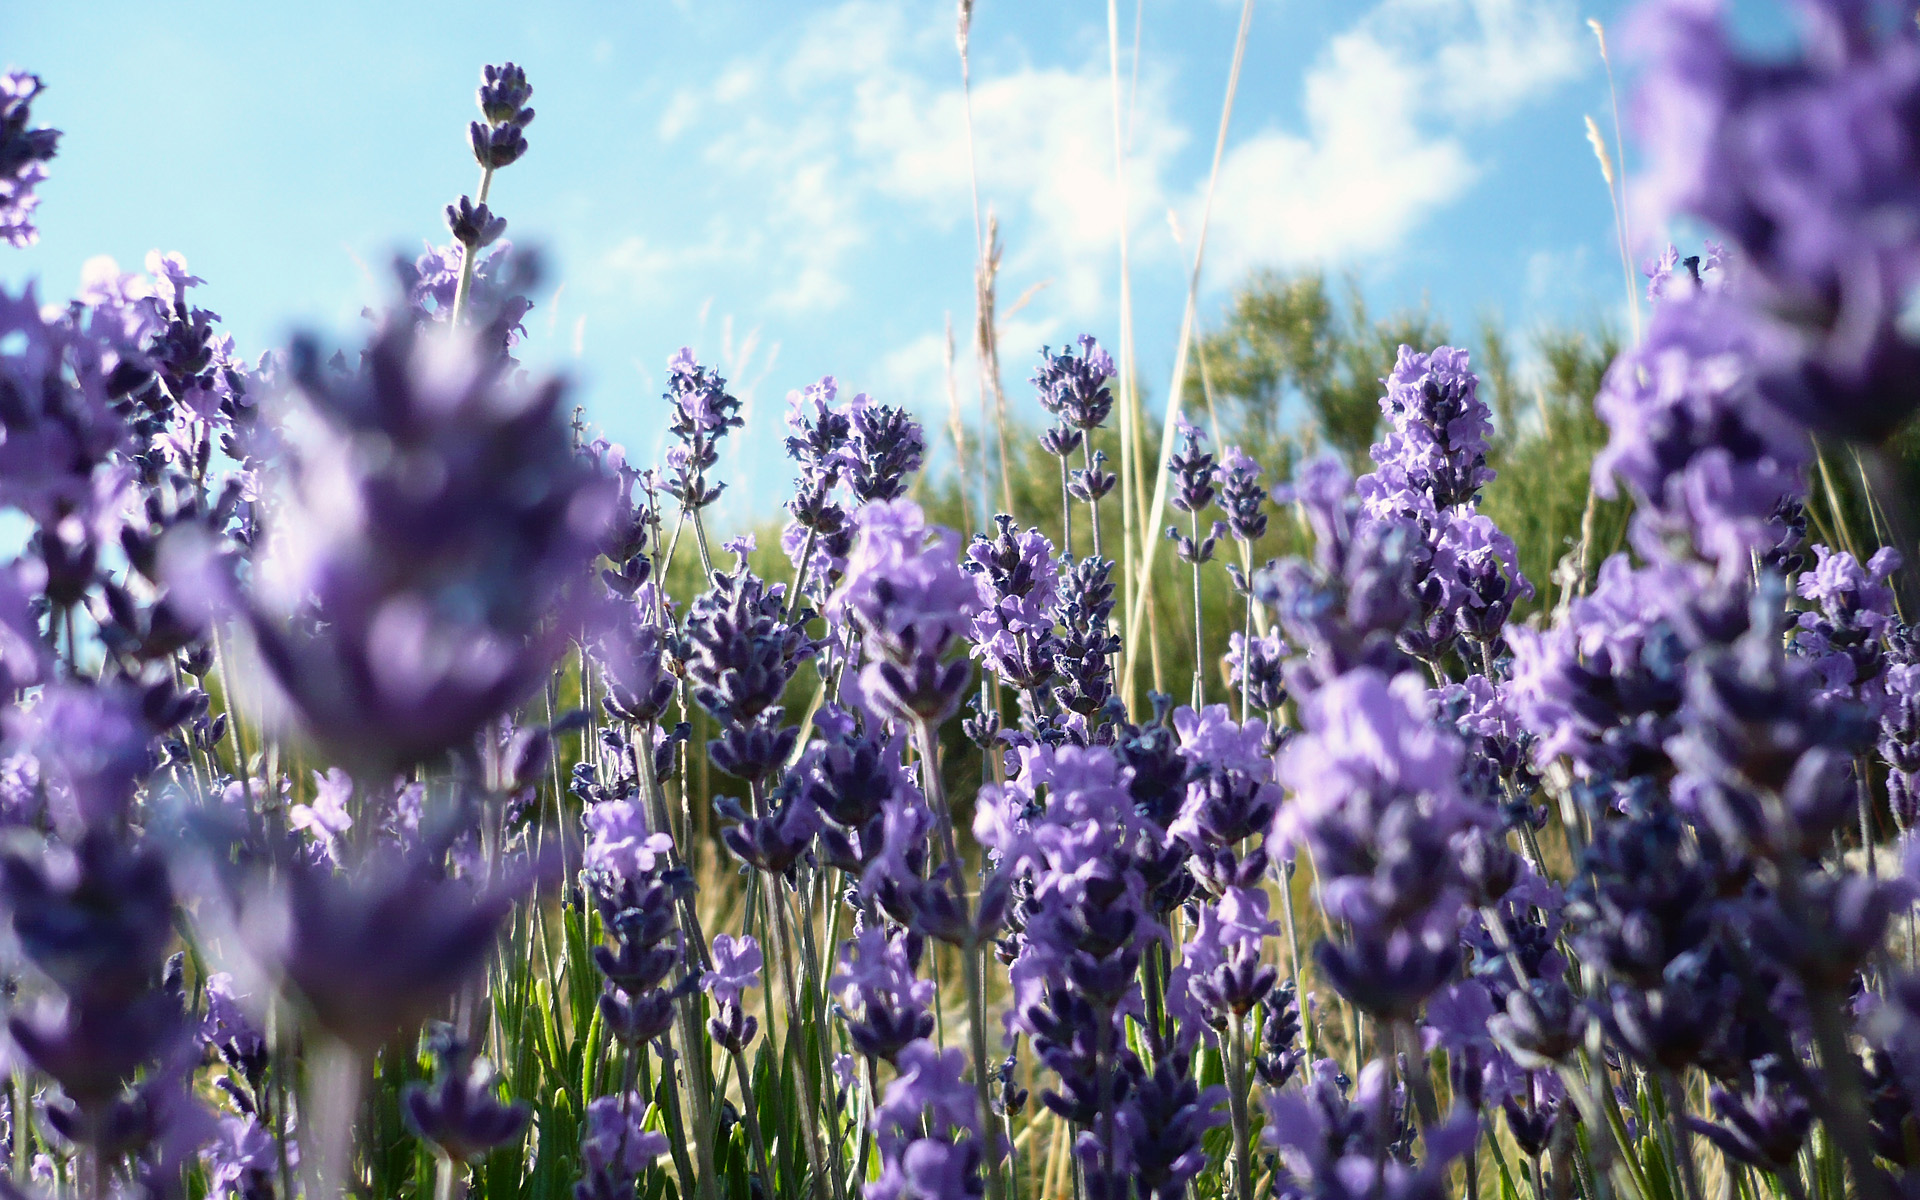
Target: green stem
(463,291)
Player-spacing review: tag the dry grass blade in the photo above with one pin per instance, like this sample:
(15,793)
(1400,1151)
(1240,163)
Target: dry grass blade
(1148,542)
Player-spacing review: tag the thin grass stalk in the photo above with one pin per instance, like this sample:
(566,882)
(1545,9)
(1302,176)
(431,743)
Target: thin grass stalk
(1149,544)
(1237,1097)
(972,968)
(1617,192)
(958,429)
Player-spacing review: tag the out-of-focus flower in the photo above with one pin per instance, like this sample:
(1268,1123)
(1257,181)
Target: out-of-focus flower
(427,558)
(24,153)
(1810,163)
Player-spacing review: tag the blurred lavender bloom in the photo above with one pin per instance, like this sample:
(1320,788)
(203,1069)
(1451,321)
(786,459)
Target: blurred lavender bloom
(429,551)
(615,1147)
(929,1129)
(1810,163)
(23,155)
(1333,1147)
(1604,685)
(1764,1127)
(458,1113)
(1166,1115)
(1375,797)
(1708,460)
(59,378)
(229,1028)
(1770,758)
(93,748)
(375,950)
(243,1160)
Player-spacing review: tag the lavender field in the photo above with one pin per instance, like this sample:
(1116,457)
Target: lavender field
(1376,765)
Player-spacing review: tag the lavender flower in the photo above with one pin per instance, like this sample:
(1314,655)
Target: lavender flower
(615,1148)
(23,154)
(1375,799)
(885,447)
(1018,583)
(1221,968)
(1241,495)
(886,1006)
(379,949)
(905,593)
(1191,470)
(459,1113)
(630,874)
(703,412)
(1437,443)
(1255,668)
(1073,387)
(1844,638)
(740,648)
(1347,607)
(1709,461)
(1807,162)
(427,551)
(929,1129)
(736,967)
(499,139)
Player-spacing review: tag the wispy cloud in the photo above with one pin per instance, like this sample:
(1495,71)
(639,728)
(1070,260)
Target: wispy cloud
(1387,108)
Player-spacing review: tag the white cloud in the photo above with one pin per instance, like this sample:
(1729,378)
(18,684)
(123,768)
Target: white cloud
(1386,108)
(860,121)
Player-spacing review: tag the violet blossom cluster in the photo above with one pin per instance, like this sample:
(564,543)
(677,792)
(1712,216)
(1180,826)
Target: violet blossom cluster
(1602,897)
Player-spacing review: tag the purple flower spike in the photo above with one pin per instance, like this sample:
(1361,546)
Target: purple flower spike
(702,414)
(430,550)
(1810,162)
(23,154)
(905,593)
(1073,387)
(378,950)
(929,1129)
(499,139)
(615,1148)
(736,967)
(1241,495)
(459,1113)
(885,448)
(887,1007)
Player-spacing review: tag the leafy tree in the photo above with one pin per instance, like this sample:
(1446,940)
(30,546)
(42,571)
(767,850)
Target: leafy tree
(1288,337)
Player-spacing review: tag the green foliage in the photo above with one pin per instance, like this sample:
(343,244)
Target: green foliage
(1287,337)
(1545,438)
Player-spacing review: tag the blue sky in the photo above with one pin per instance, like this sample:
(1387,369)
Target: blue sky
(784,186)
